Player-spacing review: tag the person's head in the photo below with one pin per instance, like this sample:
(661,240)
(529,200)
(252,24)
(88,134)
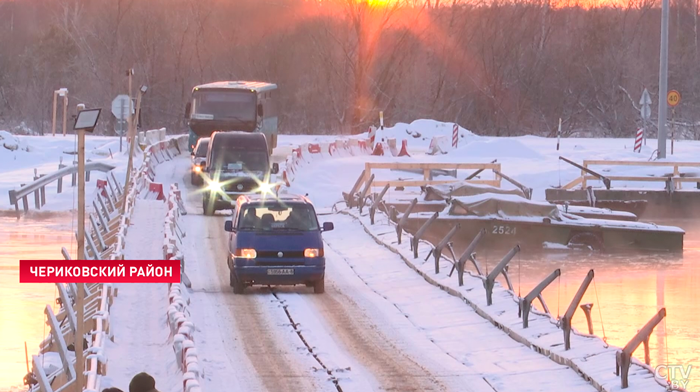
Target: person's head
(142,382)
(113,389)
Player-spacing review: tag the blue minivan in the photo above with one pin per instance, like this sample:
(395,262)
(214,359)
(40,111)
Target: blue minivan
(276,240)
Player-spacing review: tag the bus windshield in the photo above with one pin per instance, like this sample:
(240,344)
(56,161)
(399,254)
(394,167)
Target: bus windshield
(224,105)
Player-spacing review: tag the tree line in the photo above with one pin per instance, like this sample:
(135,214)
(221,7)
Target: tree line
(497,68)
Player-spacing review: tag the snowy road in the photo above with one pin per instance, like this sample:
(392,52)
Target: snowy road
(379,326)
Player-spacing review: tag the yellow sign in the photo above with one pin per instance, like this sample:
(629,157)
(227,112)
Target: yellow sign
(673,98)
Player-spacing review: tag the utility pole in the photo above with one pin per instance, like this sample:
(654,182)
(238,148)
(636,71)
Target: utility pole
(663,79)
(65,110)
(80,300)
(86,120)
(132,132)
(53,122)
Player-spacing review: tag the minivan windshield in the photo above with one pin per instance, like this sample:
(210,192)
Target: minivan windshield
(241,160)
(276,216)
(202,149)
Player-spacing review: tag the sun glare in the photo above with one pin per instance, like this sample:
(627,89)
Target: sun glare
(377,3)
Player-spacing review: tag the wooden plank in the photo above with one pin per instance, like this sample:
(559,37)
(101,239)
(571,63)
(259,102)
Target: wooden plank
(429,166)
(642,163)
(573,183)
(405,183)
(639,178)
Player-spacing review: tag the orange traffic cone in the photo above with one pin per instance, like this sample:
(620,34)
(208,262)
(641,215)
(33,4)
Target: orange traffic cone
(404,150)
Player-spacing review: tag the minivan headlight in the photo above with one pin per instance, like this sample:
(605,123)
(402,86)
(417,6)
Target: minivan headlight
(215,186)
(313,252)
(246,253)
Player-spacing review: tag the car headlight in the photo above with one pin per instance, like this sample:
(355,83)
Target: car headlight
(197,169)
(313,252)
(265,187)
(246,253)
(215,186)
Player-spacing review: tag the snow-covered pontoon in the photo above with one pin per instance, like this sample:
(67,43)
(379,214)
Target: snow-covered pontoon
(510,219)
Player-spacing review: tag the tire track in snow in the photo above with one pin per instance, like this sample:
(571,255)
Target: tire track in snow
(246,339)
(308,346)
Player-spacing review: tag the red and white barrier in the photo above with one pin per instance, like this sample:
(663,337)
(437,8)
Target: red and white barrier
(455,135)
(638,140)
(310,152)
(182,329)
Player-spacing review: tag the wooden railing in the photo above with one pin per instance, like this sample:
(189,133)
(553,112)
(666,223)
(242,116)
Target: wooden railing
(676,177)
(427,177)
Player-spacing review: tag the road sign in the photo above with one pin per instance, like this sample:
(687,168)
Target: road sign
(645,111)
(673,98)
(117,103)
(646,98)
(120,127)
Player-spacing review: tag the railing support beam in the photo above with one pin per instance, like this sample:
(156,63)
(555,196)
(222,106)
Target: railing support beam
(490,280)
(404,218)
(437,251)
(623,359)
(419,234)
(569,315)
(525,304)
(376,202)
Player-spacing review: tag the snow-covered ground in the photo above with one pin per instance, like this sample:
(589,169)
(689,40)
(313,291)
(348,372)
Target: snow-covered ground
(530,160)
(377,327)
(380,325)
(139,319)
(44,153)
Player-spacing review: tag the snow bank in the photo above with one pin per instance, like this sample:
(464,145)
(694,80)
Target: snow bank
(421,132)
(308,153)
(590,356)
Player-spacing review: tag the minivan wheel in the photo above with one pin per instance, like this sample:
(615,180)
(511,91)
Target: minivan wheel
(320,286)
(207,207)
(237,285)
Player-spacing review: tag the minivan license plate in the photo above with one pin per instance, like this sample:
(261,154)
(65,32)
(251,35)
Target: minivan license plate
(280,271)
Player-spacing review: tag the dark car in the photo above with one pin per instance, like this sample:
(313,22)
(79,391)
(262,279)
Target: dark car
(199,159)
(276,241)
(238,163)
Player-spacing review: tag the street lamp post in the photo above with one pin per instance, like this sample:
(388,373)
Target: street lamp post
(85,121)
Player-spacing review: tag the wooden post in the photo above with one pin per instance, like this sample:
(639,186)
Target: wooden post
(65,111)
(53,123)
(78,341)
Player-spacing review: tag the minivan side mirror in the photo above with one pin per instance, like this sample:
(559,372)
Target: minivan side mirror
(275,168)
(260,110)
(327,226)
(188,109)
(192,153)
(228,226)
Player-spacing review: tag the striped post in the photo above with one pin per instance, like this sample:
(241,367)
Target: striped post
(455,135)
(638,140)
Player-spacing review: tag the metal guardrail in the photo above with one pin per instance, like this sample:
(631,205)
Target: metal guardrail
(40,184)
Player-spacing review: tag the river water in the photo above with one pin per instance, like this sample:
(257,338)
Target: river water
(625,293)
(22,305)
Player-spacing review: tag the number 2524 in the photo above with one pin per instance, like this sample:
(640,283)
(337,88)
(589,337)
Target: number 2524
(504,230)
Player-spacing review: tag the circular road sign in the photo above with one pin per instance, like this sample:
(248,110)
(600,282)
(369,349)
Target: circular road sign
(673,97)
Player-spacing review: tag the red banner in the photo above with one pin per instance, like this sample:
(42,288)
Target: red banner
(99,271)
